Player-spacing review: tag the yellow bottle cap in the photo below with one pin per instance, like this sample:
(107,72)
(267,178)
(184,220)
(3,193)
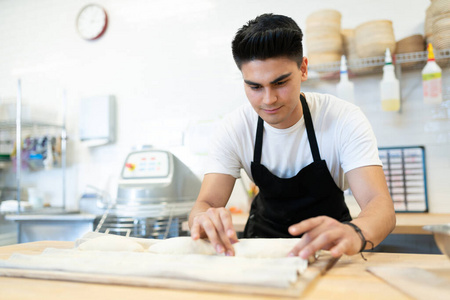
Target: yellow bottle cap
(430,52)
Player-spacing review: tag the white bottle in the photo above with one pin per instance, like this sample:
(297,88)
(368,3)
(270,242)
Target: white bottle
(432,80)
(345,89)
(48,161)
(389,86)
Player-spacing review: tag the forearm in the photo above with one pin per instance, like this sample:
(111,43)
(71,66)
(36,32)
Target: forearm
(214,193)
(376,220)
(377,217)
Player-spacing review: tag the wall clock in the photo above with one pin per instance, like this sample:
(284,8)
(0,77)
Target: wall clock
(92,22)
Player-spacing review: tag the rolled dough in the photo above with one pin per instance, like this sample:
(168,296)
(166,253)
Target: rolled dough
(111,243)
(183,245)
(251,248)
(264,248)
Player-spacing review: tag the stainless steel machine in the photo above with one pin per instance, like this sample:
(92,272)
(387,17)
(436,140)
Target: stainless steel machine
(156,192)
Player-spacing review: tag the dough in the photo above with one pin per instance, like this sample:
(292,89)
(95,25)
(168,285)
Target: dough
(183,245)
(251,248)
(144,242)
(264,248)
(111,243)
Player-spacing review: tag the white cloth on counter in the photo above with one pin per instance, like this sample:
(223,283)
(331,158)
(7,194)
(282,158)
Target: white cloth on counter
(270,272)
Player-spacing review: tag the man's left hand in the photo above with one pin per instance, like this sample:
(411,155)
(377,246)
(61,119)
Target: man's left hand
(324,233)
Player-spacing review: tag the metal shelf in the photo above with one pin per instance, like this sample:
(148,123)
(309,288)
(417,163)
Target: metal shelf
(372,65)
(18,125)
(11,125)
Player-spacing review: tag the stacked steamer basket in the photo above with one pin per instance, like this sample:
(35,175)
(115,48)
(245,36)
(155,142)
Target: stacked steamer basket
(349,46)
(414,43)
(373,38)
(428,22)
(437,24)
(323,37)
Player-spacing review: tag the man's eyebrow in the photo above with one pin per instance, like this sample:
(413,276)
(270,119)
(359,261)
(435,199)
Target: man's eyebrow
(284,76)
(250,82)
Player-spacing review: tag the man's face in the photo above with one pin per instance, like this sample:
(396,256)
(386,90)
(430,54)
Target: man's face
(273,88)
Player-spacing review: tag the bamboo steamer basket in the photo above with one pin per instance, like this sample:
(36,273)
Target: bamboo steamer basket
(437,24)
(441,31)
(428,22)
(349,45)
(329,16)
(323,30)
(439,7)
(376,48)
(414,43)
(441,41)
(373,37)
(331,44)
(323,58)
(441,23)
(323,36)
(373,26)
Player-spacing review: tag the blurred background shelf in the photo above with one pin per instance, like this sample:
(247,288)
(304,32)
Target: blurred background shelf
(374,65)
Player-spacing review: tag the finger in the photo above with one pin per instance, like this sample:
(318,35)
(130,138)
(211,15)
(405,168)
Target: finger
(223,243)
(340,248)
(211,233)
(216,216)
(305,226)
(321,241)
(306,238)
(229,228)
(310,235)
(227,241)
(195,231)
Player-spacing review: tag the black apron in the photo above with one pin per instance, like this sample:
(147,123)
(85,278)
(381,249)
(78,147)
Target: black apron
(282,202)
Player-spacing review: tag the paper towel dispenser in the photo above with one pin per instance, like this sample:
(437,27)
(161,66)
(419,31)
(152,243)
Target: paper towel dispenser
(97,120)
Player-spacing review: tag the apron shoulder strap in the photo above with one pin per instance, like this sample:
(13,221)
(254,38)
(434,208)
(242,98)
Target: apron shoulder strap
(310,130)
(258,142)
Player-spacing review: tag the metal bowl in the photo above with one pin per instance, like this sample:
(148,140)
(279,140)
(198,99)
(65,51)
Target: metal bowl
(441,236)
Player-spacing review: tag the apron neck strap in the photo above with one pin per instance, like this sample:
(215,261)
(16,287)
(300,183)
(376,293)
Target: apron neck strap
(309,130)
(258,142)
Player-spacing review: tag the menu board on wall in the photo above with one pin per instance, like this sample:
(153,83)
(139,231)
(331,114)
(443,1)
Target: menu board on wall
(404,168)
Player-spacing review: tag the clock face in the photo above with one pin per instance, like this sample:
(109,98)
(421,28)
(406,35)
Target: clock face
(92,22)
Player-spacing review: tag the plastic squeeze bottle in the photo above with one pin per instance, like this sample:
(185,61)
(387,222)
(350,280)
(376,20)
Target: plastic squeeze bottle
(389,86)
(345,89)
(48,162)
(432,80)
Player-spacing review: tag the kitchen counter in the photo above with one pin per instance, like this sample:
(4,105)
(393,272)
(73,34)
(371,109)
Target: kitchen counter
(51,226)
(348,279)
(51,217)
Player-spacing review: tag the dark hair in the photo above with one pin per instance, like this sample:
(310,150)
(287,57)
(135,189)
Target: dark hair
(268,36)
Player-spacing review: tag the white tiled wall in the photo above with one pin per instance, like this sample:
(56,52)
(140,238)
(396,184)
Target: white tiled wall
(169,64)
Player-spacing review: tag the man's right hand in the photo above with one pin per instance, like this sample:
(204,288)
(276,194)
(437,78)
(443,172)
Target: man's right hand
(216,225)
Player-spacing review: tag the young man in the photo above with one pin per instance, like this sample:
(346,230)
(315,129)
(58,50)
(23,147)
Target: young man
(296,147)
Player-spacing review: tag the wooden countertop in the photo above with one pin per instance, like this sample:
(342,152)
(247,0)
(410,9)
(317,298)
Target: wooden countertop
(407,223)
(348,279)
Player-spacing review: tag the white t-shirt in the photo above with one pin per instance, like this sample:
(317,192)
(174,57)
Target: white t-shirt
(345,138)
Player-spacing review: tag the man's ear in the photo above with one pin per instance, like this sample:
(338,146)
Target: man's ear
(304,68)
